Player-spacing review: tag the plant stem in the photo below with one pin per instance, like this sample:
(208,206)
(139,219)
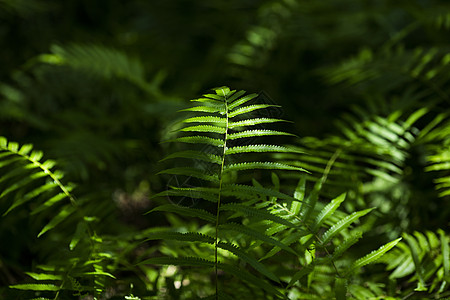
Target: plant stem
(219,198)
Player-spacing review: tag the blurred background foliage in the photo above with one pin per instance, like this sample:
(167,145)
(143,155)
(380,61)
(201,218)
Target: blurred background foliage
(96,86)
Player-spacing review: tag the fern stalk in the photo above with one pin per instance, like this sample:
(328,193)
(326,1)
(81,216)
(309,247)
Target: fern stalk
(219,196)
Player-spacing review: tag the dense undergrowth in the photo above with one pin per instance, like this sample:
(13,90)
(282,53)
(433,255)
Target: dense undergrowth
(330,179)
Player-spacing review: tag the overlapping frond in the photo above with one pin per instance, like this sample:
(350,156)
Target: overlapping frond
(29,181)
(250,218)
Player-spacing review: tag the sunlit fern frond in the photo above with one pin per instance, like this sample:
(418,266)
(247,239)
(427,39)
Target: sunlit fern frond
(422,262)
(28,181)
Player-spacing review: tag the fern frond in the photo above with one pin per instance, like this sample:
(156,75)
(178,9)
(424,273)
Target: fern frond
(261,165)
(328,211)
(260,149)
(205,128)
(343,224)
(248,277)
(347,243)
(178,236)
(186,211)
(258,213)
(250,260)
(373,256)
(238,102)
(207,119)
(36,287)
(198,193)
(192,154)
(179,261)
(247,109)
(236,189)
(256,132)
(199,140)
(207,109)
(190,172)
(256,235)
(251,122)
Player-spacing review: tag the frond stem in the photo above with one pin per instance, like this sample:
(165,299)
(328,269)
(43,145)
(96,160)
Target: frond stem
(219,198)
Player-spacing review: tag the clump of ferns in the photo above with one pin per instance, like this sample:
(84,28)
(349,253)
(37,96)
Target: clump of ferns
(254,223)
(80,266)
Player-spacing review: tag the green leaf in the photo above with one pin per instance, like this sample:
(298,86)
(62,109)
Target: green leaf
(343,224)
(300,274)
(191,172)
(207,109)
(207,119)
(236,103)
(235,96)
(256,235)
(373,256)
(192,154)
(178,236)
(340,288)
(259,148)
(327,211)
(261,165)
(256,132)
(32,194)
(299,195)
(178,261)
(44,276)
(204,128)
(415,250)
(35,287)
(347,243)
(445,254)
(79,233)
(186,211)
(246,276)
(250,260)
(198,139)
(209,194)
(251,122)
(65,212)
(247,109)
(258,213)
(237,189)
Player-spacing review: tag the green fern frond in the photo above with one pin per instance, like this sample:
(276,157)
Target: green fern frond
(256,132)
(257,213)
(27,170)
(207,119)
(199,140)
(328,211)
(205,128)
(191,172)
(236,189)
(261,165)
(186,211)
(238,102)
(178,261)
(425,256)
(252,122)
(248,277)
(343,224)
(256,235)
(198,193)
(192,154)
(250,260)
(208,109)
(36,287)
(259,149)
(247,109)
(373,256)
(178,236)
